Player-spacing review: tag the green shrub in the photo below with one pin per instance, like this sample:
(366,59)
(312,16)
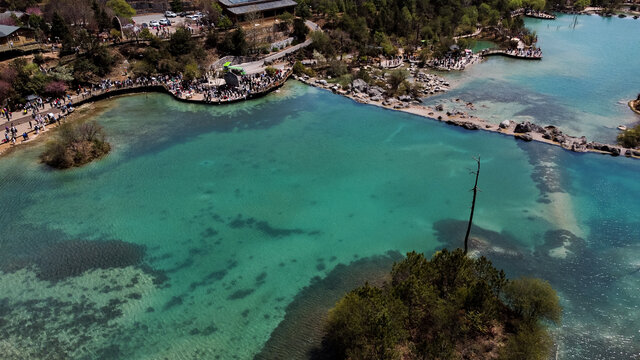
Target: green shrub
(630,138)
(337,68)
(270,70)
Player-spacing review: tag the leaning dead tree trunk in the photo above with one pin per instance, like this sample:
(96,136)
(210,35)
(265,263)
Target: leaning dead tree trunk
(473,205)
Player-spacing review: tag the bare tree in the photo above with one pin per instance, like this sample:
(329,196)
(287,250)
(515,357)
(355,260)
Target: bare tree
(253,30)
(342,40)
(473,205)
(74,12)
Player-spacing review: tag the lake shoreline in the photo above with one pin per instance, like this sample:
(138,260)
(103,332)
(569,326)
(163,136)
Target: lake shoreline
(634,105)
(570,143)
(81,112)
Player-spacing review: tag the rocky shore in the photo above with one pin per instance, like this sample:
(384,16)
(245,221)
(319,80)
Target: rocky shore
(361,92)
(635,106)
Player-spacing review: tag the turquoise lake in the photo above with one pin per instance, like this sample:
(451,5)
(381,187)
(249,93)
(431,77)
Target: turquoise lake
(208,230)
(587,75)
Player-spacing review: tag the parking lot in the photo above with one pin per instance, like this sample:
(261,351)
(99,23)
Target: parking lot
(146,18)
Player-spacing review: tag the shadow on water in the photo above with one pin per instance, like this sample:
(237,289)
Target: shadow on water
(544,109)
(585,278)
(196,119)
(299,335)
(54,256)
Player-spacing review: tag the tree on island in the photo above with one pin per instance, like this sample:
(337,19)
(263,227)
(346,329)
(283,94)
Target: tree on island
(451,306)
(75,144)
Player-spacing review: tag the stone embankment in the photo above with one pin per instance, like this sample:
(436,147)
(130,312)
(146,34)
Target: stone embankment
(361,92)
(22,121)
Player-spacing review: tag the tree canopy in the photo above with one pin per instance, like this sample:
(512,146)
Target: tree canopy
(121,8)
(441,309)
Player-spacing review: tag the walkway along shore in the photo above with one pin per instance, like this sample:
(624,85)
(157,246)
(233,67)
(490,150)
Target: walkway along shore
(22,122)
(522,131)
(536,55)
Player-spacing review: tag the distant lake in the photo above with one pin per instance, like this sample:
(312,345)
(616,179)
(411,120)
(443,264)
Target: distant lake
(582,85)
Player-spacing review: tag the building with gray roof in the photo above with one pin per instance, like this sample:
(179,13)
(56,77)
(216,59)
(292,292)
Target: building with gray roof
(238,9)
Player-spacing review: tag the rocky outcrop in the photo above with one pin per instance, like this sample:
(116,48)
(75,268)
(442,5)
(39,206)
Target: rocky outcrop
(375,91)
(613,150)
(525,137)
(526,127)
(359,85)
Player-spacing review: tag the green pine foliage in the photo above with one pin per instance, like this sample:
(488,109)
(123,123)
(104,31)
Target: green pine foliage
(451,306)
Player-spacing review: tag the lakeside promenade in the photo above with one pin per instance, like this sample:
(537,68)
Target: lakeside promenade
(251,87)
(526,54)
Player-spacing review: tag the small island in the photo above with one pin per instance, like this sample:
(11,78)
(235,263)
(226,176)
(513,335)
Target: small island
(75,144)
(452,306)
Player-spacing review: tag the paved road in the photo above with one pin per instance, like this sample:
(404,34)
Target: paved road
(258,65)
(148,17)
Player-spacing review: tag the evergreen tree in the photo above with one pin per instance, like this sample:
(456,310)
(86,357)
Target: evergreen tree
(176,6)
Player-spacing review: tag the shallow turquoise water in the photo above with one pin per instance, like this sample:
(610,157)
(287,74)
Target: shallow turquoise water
(224,214)
(583,83)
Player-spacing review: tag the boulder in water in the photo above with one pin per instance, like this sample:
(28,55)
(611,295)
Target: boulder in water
(524,127)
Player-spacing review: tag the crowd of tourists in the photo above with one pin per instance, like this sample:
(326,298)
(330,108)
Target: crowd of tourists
(526,52)
(247,85)
(37,104)
(39,117)
(38,123)
(391,63)
(454,61)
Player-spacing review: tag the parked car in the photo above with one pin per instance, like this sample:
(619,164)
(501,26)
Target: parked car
(166,22)
(128,26)
(170,14)
(154,23)
(145,25)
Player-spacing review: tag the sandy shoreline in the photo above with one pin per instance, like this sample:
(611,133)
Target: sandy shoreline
(473,123)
